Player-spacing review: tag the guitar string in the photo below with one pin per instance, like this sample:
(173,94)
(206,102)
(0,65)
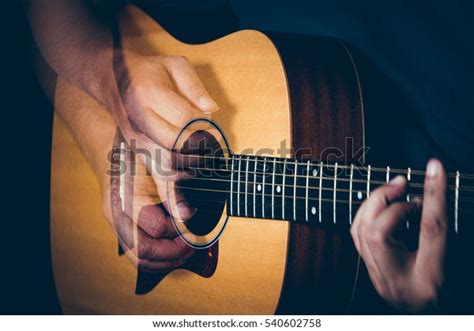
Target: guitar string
(327,165)
(463,210)
(269,195)
(355,191)
(411,183)
(460,188)
(258,205)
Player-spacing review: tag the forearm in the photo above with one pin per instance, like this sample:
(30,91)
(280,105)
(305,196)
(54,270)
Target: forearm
(76,44)
(92,127)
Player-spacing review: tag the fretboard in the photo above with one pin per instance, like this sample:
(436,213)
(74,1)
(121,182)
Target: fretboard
(325,193)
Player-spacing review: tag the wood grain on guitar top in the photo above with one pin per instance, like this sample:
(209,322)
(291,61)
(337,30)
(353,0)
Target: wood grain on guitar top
(244,74)
(270,90)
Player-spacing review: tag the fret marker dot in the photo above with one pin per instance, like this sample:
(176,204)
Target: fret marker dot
(278,188)
(315,172)
(313,210)
(259,187)
(359,195)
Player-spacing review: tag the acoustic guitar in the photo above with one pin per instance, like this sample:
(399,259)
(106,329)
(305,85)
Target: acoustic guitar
(275,204)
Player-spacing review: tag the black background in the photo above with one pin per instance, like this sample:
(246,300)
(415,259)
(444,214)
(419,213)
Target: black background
(26,278)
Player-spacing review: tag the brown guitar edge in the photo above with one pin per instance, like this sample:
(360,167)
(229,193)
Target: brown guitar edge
(326,113)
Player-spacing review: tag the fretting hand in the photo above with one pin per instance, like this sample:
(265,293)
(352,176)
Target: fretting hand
(408,280)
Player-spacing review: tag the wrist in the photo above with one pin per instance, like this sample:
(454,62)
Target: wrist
(98,79)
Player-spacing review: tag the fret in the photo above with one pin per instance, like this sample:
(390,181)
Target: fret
(312,194)
(254,187)
(263,186)
(238,186)
(379,178)
(456,203)
(283,194)
(463,196)
(285,179)
(273,188)
(122,176)
(351,177)
(301,175)
(408,180)
(368,180)
(306,193)
(320,189)
(334,194)
(329,193)
(231,185)
(415,187)
(408,194)
(359,187)
(246,185)
(279,188)
(294,190)
(258,188)
(335,187)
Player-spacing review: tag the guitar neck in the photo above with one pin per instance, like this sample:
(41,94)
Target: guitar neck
(325,192)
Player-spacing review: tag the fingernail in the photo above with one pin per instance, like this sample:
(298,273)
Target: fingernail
(185,210)
(397,180)
(432,169)
(207,104)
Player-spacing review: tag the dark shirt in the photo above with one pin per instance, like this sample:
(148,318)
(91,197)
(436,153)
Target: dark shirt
(416,61)
(424,54)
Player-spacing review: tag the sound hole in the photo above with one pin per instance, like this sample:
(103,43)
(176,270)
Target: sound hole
(207,189)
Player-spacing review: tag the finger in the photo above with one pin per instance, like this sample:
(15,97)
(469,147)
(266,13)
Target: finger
(175,201)
(361,247)
(189,162)
(355,228)
(380,238)
(381,231)
(167,196)
(156,222)
(378,201)
(152,200)
(153,266)
(167,164)
(138,245)
(189,84)
(150,123)
(433,227)
(382,197)
(133,238)
(375,204)
(160,162)
(158,267)
(173,107)
(162,249)
(374,275)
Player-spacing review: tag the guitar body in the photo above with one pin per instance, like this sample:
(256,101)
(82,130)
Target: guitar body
(306,94)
